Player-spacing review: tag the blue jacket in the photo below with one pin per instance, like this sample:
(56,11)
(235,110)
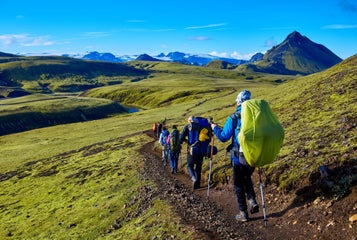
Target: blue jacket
(163,136)
(230,130)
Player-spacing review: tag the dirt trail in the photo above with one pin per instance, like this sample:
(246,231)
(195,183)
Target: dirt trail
(291,216)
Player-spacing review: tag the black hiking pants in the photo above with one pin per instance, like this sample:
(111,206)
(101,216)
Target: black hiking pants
(194,167)
(243,184)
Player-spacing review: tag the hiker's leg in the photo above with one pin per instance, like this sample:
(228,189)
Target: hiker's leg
(248,184)
(190,167)
(172,159)
(176,157)
(239,187)
(198,169)
(166,153)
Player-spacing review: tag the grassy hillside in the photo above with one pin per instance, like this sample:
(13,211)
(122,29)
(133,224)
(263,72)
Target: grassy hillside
(63,74)
(38,110)
(78,180)
(172,83)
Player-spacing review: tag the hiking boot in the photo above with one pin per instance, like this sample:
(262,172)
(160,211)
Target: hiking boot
(242,216)
(254,207)
(194,182)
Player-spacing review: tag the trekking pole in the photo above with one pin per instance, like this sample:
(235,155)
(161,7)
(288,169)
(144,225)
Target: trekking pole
(262,194)
(210,162)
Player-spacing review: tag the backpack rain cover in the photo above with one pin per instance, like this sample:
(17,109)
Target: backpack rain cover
(261,135)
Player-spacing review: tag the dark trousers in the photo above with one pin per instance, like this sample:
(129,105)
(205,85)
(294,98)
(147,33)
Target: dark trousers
(194,167)
(243,184)
(174,156)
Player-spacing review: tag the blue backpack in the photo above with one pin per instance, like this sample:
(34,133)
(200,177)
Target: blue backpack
(199,136)
(163,137)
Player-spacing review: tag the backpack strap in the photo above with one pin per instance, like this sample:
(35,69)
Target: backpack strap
(235,116)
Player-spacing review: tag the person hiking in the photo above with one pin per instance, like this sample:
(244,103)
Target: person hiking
(194,160)
(159,129)
(242,172)
(154,128)
(165,146)
(175,149)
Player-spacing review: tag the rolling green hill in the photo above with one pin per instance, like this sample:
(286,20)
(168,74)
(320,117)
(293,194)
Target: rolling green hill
(38,111)
(62,74)
(76,181)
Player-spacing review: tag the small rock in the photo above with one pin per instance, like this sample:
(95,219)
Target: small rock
(329,204)
(353,218)
(330,223)
(317,201)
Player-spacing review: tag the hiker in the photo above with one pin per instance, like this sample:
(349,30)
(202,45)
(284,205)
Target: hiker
(159,129)
(154,128)
(163,140)
(242,172)
(175,149)
(194,160)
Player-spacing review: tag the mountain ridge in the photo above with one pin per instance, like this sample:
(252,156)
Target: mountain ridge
(297,54)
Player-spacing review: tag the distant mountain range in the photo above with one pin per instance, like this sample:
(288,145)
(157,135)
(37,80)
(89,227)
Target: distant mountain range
(184,58)
(295,55)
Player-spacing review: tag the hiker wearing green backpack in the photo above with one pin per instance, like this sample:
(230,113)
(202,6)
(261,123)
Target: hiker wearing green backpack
(175,149)
(242,172)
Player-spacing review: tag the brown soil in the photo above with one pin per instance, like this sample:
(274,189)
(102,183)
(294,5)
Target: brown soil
(299,215)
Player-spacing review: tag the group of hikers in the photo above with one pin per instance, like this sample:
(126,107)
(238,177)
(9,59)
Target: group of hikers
(196,151)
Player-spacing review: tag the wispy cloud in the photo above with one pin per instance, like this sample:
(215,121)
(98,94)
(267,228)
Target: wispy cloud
(25,40)
(348,6)
(234,54)
(199,38)
(207,26)
(340,26)
(164,30)
(96,34)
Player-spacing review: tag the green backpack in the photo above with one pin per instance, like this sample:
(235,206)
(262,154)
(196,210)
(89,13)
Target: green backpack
(261,135)
(174,140)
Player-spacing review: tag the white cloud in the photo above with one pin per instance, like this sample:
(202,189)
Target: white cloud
(25,40)
(207,26)
(96,34)
(234,54)
(340,26)
(199,38)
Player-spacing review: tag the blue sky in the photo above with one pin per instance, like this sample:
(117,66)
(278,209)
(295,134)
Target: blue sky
(229,28)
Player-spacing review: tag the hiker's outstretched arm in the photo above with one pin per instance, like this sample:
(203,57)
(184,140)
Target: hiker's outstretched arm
(226,133)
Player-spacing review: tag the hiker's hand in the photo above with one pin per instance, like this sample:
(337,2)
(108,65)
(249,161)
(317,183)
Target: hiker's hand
(213,125)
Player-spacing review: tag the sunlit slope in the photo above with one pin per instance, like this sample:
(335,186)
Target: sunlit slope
(172,83)
(77,180)
(36,111)
(63,74)
(319,114)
